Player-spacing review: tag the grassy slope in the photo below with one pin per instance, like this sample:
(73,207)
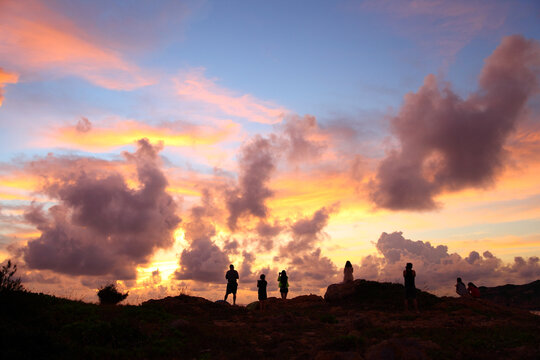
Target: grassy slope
(42,326)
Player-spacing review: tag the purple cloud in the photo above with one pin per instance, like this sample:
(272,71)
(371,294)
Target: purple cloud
(448,143)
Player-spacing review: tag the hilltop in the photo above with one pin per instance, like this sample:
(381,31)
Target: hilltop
(361,320)
(525,296)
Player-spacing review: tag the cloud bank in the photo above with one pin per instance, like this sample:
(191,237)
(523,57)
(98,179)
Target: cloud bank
(437,269)
(100,226)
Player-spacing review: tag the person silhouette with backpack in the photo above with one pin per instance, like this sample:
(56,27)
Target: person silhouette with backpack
(283,281)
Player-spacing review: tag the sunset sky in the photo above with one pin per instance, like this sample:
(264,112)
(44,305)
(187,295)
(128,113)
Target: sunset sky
(155,143)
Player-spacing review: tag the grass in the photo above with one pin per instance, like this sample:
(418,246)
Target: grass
(42,326)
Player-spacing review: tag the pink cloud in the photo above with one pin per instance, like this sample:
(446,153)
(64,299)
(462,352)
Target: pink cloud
(194,86)
(100,226)
(437,269)
(6,78)
(34,37)
(448,143)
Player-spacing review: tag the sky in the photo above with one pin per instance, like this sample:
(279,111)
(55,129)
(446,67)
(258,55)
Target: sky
(152,144)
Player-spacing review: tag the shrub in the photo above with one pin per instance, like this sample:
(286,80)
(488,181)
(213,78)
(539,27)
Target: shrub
(7,283)
(110,295)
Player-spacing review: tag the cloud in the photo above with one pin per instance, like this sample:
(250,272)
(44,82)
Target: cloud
(437,269)
(256,163)
(203,260)
(307,231)
(391,246)
(6,78)
(448,143)
(266,234)
(83,125)
(37,37)
(194,86)
(100,226)
(311,271)
(304,139)
(305,262)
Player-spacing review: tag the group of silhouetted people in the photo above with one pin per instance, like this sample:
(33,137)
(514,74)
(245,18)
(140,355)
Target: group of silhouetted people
(232,285)
(470,290)
(409,276)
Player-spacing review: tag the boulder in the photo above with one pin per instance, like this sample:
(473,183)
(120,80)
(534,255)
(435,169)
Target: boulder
(336,292)
(374,295)
(253,306)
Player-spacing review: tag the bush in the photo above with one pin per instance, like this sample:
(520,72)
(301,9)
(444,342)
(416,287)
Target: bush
(7,283)
(109,295)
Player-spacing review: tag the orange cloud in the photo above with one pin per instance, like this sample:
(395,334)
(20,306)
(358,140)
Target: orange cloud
(6,78)
(127,132)
(33,36)
(194,86)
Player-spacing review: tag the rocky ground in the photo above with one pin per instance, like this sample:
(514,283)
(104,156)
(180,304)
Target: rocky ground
(360,320)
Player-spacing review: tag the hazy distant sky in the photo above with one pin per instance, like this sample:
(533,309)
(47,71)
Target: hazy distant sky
(155,143)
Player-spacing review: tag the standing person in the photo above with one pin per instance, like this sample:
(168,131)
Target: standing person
(232,285)
(410,289)
(461,290)
(348,272)
(473,290)
(261,284)
(283,280)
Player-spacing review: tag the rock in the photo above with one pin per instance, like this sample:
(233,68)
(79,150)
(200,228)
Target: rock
(253,306)
(340,291)
(374,295)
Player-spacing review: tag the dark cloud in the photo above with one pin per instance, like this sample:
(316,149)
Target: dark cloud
(266,234)
(246,271)
(83,125)
(256,162)
(100,226)
(296,131)
(306,232)
(203,261)
(302,258)
(448,143)
(437,269)
(231,246)
(311,271)
(393,245)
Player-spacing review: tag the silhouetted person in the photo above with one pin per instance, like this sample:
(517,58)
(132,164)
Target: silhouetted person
(261,284)
(232,285)
(283,281)
(410,289)
(461,289)
(348,272)
(473,290)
